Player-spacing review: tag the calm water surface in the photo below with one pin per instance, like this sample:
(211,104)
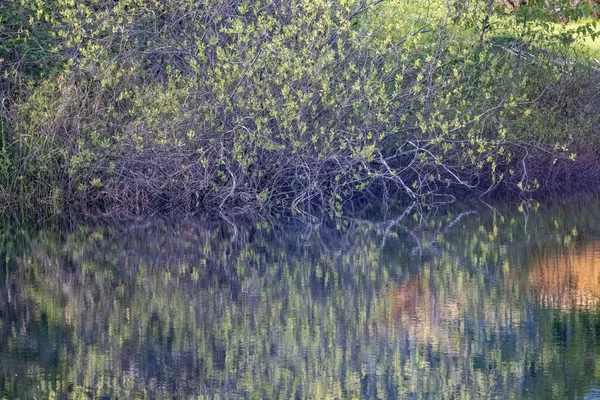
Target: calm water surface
(470,303)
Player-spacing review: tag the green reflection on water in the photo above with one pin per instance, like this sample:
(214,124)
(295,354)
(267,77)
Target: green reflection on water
(458,305)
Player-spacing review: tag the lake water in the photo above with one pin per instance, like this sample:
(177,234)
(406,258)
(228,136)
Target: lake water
(471,302)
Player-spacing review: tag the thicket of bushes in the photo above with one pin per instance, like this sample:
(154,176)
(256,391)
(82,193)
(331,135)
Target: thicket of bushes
(302,106)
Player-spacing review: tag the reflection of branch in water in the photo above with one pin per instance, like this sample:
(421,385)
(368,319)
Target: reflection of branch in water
(456,220)
(233,225)
(421,247)
(388,225)
(494,210)
(385,225)
(416,238)
(384,228)
(431,244)
(525,212)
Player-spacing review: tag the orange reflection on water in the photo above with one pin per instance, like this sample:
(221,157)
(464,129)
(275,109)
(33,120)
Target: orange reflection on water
(412,308)
(567,278)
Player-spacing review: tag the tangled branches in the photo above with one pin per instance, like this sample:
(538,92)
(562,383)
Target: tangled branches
(308,107)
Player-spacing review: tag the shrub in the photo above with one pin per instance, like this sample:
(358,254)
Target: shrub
(300,106)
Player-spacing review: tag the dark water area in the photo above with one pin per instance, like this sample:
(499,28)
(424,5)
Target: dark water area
(463,303)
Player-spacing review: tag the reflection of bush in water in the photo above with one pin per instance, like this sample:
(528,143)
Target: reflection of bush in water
(279,312)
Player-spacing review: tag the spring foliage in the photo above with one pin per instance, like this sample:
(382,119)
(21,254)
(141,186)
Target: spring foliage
(304,106)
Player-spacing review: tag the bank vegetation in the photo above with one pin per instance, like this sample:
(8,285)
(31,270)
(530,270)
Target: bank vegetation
(303,107)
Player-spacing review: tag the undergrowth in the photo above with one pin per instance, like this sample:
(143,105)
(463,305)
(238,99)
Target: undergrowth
(291,107)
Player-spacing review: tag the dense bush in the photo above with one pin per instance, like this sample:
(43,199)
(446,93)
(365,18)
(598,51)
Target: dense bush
(299,106)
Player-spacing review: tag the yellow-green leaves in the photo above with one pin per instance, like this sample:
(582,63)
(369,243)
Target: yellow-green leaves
(302,105)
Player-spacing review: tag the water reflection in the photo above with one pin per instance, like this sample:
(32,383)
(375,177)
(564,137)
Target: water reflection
(567,278)
(462,304)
